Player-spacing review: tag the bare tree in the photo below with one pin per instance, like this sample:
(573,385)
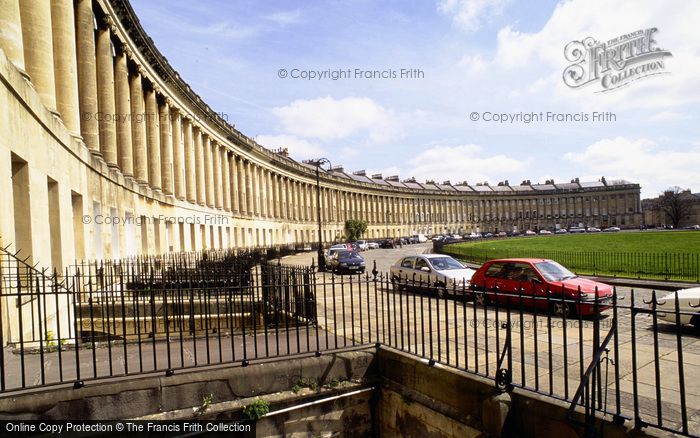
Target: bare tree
(676,203)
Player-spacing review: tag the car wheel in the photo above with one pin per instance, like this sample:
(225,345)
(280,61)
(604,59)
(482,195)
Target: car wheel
(396,284)
(696,324)
(562,308)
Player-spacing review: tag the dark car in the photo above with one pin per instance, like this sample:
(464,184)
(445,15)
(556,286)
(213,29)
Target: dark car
(503,280)
(345,261)
(387,243)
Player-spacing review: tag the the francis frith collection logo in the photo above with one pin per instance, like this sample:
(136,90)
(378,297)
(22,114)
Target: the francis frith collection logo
(614,63)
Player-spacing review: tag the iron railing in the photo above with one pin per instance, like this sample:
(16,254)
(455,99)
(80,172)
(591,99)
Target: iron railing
(626,361)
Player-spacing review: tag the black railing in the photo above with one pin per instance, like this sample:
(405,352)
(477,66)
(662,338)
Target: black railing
(624,361)
(641,265)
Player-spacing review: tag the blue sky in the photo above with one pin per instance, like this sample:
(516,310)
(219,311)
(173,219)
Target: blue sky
(497,56)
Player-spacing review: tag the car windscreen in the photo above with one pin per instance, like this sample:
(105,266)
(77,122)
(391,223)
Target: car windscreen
(553,271)
(445,263)
(348,255)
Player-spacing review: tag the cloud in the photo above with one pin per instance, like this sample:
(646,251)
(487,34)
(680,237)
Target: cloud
(327,118)
(299,149)
(469,14)
(284,18)
(465,162)
(640,160)
(668,116)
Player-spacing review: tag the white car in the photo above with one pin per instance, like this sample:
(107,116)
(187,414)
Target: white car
(362,245)
(431,271)
(611,230)
(530,233)
(593,230)
(687,298)
(545,232)
(372,245)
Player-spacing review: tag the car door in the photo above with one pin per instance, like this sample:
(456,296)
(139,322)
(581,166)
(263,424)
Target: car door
(405,270)
(424,275)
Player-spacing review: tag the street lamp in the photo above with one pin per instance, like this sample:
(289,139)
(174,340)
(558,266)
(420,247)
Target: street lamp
(318,163)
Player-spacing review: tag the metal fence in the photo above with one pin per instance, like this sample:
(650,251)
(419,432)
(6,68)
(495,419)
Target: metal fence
(628,363)
(659,266)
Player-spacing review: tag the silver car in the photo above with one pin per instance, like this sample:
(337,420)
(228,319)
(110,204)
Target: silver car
(429,271)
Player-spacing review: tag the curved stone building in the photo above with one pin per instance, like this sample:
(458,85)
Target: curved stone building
(106,152)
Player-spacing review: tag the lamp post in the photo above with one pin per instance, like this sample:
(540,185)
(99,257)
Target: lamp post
(321,258)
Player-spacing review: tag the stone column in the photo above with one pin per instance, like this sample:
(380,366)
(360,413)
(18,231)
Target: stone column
(242,187)
(199,166)
(208,171)
(65,63)
(152,121)
(225,178)
(166,148)
(252,176)
(178,154)
(283,198)
(11,33)
(216,162)
(123,106)
(234,171)
(105,95)
(294,190)
(87,74)
(269,212)
(190,188)
(138,128)
(38,48)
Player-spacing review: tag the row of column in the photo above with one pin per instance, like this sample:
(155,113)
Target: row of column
(82,72)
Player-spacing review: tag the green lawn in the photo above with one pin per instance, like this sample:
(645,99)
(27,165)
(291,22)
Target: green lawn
(648,254)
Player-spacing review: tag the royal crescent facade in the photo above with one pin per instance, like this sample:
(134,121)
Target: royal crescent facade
(105,152)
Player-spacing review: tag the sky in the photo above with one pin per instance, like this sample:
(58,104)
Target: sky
(269,66)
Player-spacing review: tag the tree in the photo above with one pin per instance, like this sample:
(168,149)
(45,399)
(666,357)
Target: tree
(676,204)
(355,228)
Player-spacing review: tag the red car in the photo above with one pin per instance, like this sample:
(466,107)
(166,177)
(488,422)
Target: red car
(538,278)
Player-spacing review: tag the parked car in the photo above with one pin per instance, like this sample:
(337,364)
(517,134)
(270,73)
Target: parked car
(501,234)
(574,230)
(593,230)
(344,261)
(333,250)
(438,238)
(432,271)
(688,315)
(530,233)
(372,245)
(561,231)
(474,236)
(538,279)
(456,237)
(611,230)
(387,243)
(362,245)
(545,232)
(488,235)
